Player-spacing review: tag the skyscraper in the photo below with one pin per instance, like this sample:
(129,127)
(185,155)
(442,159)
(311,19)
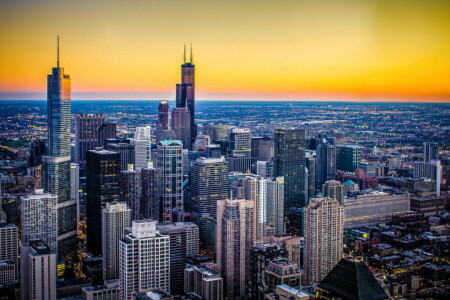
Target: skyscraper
(116,217)
(185,91)
(170,167)
(333,189)
(326,161)
(142,147)
(289,161)
(130,191)
(181,125)
(86,128)
(39,218)
(75,188)
(108,130)
(9,255)
(144,259)
(208,184)
(323,228)
(56,165)
(126,151)
(183,243)
(235,237)
(348,157)
(38,271)
(275,204)
(149,193)
(162,123)
(430,152)
(240,142)
(102,186)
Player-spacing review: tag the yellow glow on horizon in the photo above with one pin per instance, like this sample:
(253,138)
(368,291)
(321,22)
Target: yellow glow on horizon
(286,48)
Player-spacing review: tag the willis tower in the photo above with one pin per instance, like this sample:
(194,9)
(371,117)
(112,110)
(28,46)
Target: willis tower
(56,164)
(185,93)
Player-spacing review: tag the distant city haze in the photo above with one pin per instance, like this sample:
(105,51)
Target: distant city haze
(244,50)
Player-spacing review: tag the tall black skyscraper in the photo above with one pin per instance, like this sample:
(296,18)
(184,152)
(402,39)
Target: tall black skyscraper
(430,152)
(56,164)
(185,94)
(326,161)
(289,161)
(102,186)
(163,120)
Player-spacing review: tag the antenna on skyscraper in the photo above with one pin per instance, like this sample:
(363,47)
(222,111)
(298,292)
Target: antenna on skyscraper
(184,55)
(57,51)
(191,54)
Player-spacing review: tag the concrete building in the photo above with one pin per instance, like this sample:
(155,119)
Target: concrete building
(275,205)
(131,191)
(38,271)
(144,260)
(208,184)
(9,255)
(334,190)
(109,291)
(149,207)
(323,228)
(215,132)
(39,218)
(235,237)
(240,142)
(116,217)
(184,241)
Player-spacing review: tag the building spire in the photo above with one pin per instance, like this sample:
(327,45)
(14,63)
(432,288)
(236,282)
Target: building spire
(184,54)
(191,60)
(57,51)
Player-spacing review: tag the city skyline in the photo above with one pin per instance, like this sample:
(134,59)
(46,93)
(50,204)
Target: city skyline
(295,50)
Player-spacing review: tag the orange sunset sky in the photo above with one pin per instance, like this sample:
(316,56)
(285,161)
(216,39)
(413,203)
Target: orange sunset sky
(249,50)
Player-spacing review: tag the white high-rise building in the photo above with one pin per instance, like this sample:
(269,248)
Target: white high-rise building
(323,228)
(235,237)
(142,149)
(9,255)
(38,271)
(116,217)
(275,205)
(170,167)
(144,259)
(75,189)
(39,218)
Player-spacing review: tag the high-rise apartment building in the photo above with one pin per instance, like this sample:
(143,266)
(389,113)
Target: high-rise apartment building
(107,130)
(102,186)
(333,189)
(86,128)
(75,189)
(183,243)
(235,237)
(323,228)
(170,168)
(116,216)
(311,164)
(56,164)
(204,282)
(39,218)
(208,184)
(37,271)
(144,259)
(275,205)
(240,142)
(289,161)
(142,147)
(9,255)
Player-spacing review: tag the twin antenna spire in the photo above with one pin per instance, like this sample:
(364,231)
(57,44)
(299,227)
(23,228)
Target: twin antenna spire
(184,54)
